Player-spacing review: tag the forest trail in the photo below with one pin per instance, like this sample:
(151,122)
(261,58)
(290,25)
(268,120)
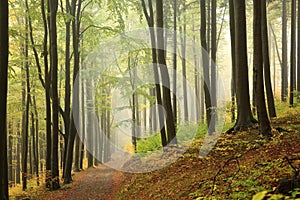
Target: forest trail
(95,183)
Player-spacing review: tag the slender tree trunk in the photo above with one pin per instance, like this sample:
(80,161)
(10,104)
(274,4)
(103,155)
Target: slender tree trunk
(36,142)
(266,61)
(284,70)
(233,65)
(67,111)
(72,134)
(183,55)
(150,21)
(10,154)
(47,95)
(293,52)
(263,119)
(55,100)
(244,118)
(77,154)
(208,30)
(3,98)
(298,56)
(205,63)
(196,77)
(171,132)
(90,142)
(25,122)
(18,153)
(82,94)
(175,60)
(213,63)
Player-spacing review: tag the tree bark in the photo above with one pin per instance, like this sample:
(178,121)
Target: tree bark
(205,63)
(73,132)
(67,110)
(3,98)
(233,65)
(175,60)
(25,120)
(183,55)
(263,119)
(293,52)
(10,154)
(284,70)
(266,61)
(171,132)
(298,56)
(47,94)
(244,118)
(213,64)
(150,20)
(55,100)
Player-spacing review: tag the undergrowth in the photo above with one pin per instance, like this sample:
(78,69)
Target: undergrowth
(239,166)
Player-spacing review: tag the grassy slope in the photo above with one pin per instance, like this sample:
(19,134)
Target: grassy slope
(238,167)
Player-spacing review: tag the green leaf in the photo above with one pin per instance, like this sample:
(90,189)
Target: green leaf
(260,196)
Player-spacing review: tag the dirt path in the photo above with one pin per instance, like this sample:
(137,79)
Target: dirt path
(96,183)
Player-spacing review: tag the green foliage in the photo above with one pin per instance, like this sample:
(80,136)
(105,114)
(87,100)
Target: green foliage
(185,133)
(152,143)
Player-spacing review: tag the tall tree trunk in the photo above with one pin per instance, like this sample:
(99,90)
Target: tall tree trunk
(293,53)
(72,134)
(90,142)
(18,153)
(83,136)
(55,100)
(196,77)
(183,55)
(208,30)
(205,63)
(298,56)
(244,118)
(171,132)
(3,98)
(284,70)
(175,60)
(263,119)
(150,20)
(36,142)
(47,94)
(10,154)
(233,65)
(213,63)
(266,61)
(67,83)
(25,119)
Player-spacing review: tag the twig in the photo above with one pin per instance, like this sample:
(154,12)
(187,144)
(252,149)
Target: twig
(233,158)
(296,171)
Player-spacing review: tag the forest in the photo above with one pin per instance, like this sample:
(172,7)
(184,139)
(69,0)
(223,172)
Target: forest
(149,99)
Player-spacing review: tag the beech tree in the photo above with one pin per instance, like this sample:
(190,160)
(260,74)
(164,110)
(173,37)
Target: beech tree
(55,101)
(244,116)
(258,65)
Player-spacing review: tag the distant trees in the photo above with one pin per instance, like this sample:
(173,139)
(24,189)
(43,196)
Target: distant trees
(3,98)
(50,46)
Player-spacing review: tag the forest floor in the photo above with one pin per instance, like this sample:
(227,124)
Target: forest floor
(240,166)
(97,183)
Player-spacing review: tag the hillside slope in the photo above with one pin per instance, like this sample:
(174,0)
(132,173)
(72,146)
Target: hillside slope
(239,166)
